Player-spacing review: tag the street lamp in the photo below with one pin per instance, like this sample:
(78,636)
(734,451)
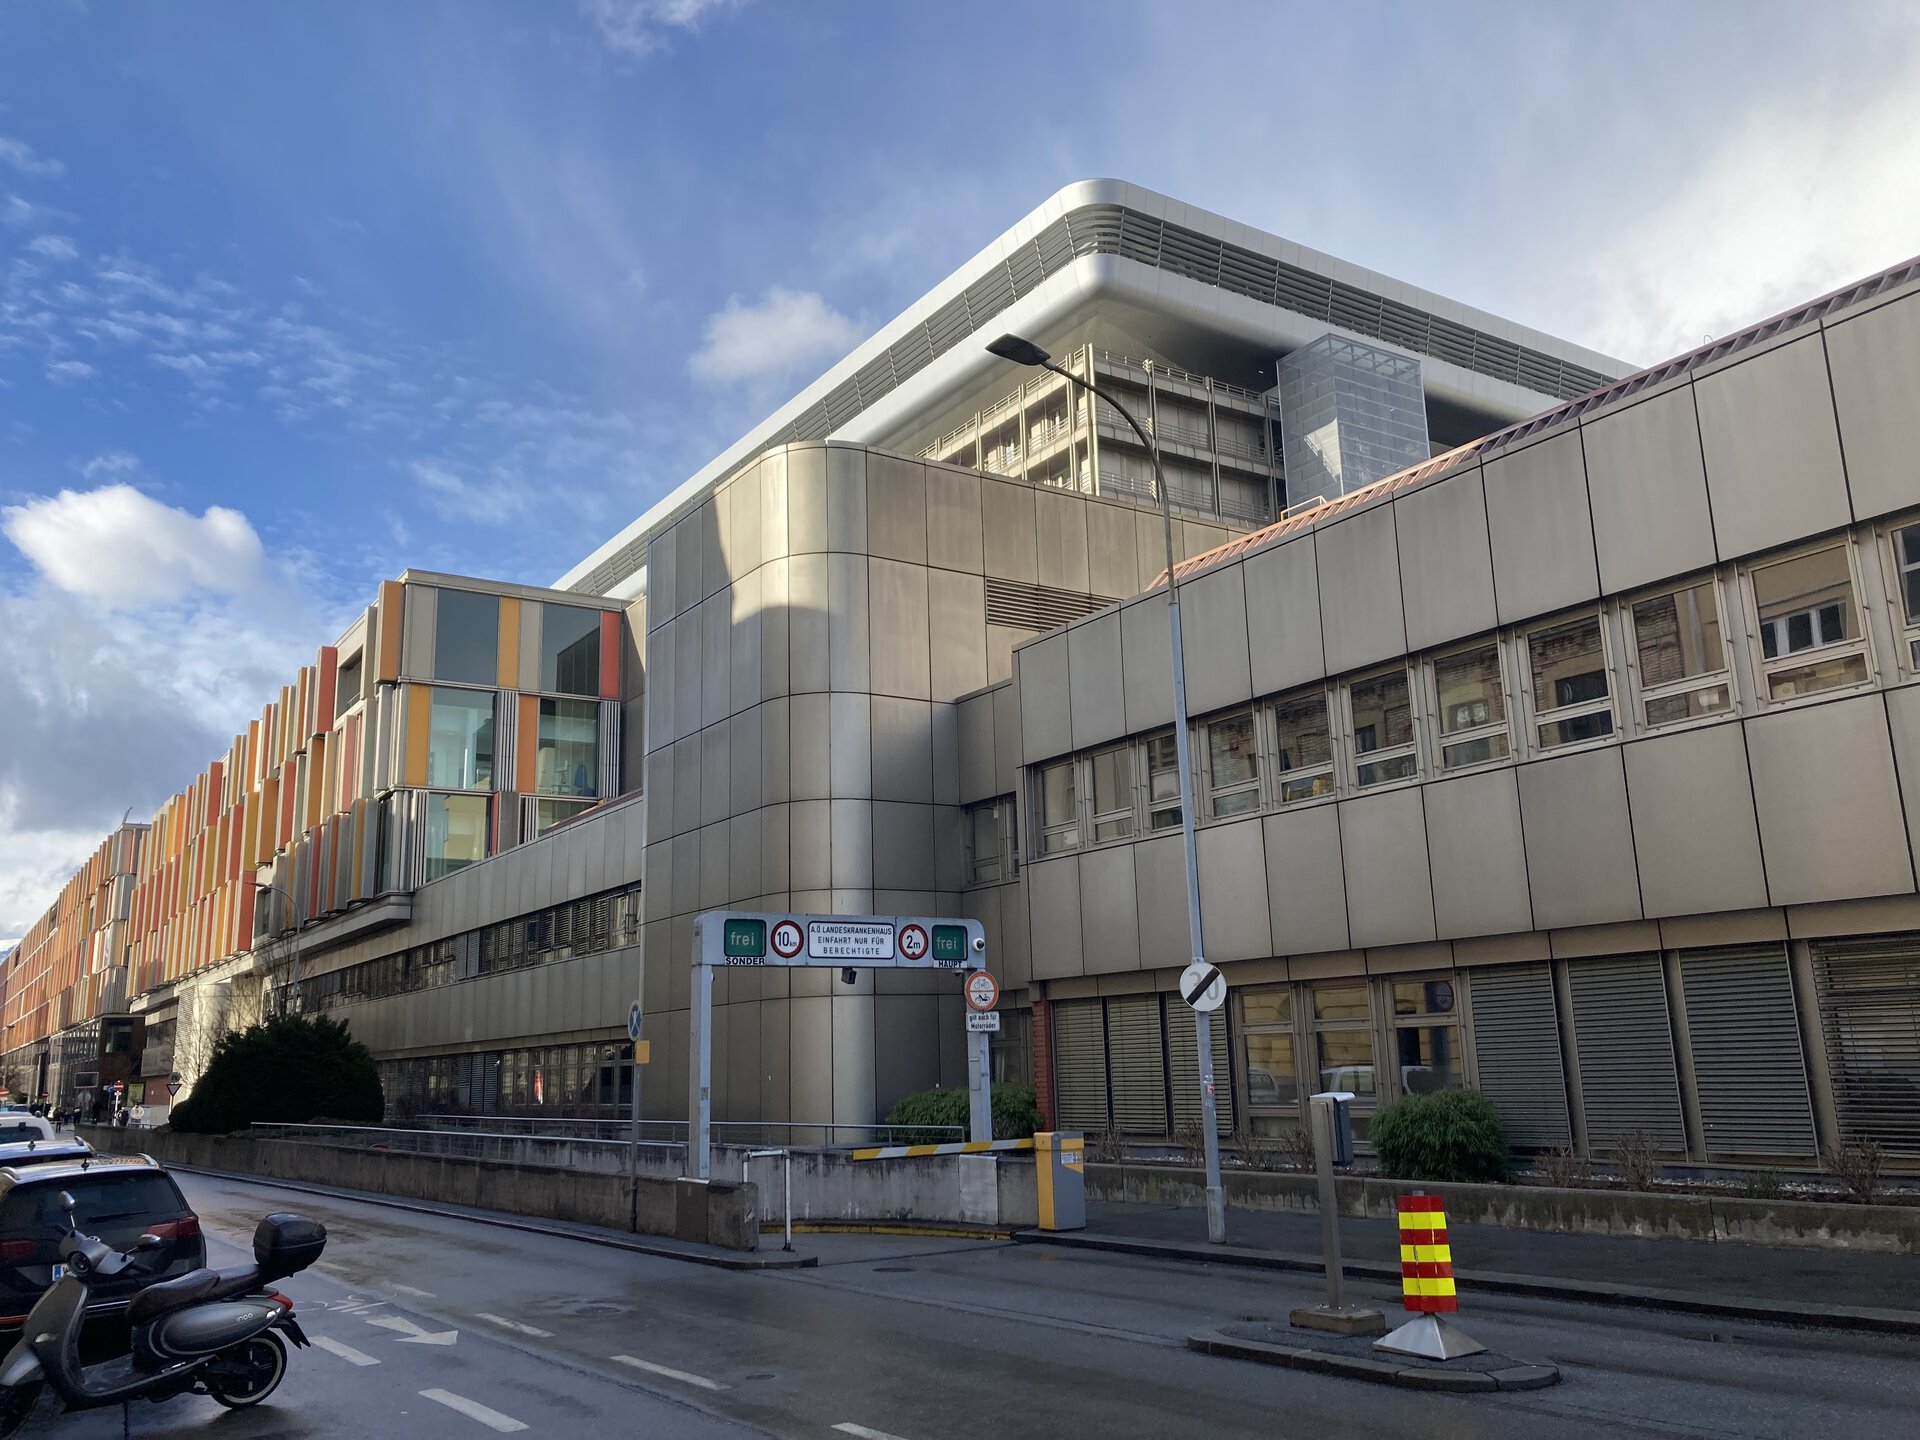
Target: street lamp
(293,989)
(1025,352)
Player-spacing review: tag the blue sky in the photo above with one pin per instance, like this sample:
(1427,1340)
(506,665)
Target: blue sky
(294,296)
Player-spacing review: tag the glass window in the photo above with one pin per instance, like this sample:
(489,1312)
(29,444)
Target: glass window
(569,650)
(1473,707)
(1429,1058)
(346,686)
(1303,747)
(1266,1005)
(1571,699)
(1677,646)
(1906,558)
(1346,1061)
(1059,808)
(466,638)
(986,855)
(1382,729)
(1805,605)
(1113,793)
(568,760)
(1271,1078)
(1163,781)
(1233,765)
(460,739)
(1423,997)
(456,832)
(549,813)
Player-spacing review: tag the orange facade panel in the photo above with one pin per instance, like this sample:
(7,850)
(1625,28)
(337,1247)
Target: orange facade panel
(609,655)
(507,676)
(527,746)
(413,765)
(387,638)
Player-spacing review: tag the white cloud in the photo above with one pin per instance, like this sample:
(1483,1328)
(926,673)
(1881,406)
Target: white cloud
(120,547)
(113,462)
(54,247)
(1799,200)
(768,341)
(68,370)
(21,157)
(638,28)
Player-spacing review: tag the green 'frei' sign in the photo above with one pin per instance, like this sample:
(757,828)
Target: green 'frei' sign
(745,939)
(949,942)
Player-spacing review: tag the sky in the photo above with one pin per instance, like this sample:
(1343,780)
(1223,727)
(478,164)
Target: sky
(296,296)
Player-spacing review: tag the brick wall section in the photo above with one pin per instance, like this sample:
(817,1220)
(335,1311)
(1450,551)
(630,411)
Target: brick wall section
(1043,1058)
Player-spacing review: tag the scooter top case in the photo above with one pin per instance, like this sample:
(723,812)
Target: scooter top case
(203,1329)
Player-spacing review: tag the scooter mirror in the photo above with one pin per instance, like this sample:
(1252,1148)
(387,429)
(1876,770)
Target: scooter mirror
(66,1202)
(150,1241)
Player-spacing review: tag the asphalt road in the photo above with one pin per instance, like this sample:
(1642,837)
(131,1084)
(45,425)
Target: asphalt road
(436,1326)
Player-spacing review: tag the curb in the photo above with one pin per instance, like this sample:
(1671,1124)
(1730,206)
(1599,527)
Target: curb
(933,1230)
(714,1258)
(1494,1282)
(1518,1376)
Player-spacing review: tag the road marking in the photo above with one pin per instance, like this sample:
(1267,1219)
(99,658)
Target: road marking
(345,1352)
(639,1364)
(474,1410)
(412,1334)
(847,1427)
(506,1324)
(417,1294)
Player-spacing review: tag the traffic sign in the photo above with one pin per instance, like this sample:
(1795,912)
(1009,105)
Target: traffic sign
(173,1086)
(1203,986)
(983,992)
(950,944)
(633,1021)
(745,939)
(913,942)
(983,1023)
(119,1086)
(787,939)
(851,940)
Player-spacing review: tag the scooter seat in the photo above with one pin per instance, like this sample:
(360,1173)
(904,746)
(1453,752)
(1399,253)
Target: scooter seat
(157,1299)
(237,1281)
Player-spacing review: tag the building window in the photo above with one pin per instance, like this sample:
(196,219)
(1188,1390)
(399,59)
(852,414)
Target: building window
(1679,655)
(1343,1046)
(466,638)
(456,832)
(1571,698)
(1056,798)
(1810,636)
(346,686)
(1426,1034)
(1473,707)
(549,813)
(569,650)
(1010,1051)
(1267,1055)
(1382,729)
(460,739)
(1906,560)
(1113,793)
(569,755)
(1303,749)
(992,842)
(1163,781)
(1233,765)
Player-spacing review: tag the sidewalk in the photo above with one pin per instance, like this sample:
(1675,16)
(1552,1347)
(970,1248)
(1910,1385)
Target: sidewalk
(1855,1288)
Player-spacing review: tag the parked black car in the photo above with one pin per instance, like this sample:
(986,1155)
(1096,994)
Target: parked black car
(118,1198)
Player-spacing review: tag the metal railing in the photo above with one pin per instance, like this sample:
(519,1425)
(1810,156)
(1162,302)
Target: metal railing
(607,1157)
(731,1132)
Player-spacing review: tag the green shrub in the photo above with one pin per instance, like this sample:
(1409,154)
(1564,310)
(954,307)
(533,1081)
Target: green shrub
(288,1071)
(1446,1135)
(1016,1115)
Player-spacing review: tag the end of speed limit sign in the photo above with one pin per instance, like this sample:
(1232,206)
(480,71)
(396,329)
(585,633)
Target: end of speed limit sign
(983,991)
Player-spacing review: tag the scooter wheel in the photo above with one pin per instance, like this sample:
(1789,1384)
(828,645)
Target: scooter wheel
(16,1405)
(246,1374)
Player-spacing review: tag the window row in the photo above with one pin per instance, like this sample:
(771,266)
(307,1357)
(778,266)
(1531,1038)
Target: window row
(590,1080)
(461,743)
(1659,659)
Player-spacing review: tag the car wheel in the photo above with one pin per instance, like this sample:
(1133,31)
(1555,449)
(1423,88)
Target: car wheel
(16,1405)
(246,1374)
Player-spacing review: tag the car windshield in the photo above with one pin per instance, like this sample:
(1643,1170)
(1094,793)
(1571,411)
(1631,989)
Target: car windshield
(99,1199)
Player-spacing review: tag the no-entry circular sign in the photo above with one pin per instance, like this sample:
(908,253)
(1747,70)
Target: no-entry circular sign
(786,939)
(983,991)
(913,942)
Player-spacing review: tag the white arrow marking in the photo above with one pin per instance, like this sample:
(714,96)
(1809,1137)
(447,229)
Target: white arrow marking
(345,1352)
(412,1333)
(473,1409)
(506,1324)
(680,1375)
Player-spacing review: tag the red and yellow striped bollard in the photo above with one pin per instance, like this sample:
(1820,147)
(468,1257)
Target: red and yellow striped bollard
(1426,1259)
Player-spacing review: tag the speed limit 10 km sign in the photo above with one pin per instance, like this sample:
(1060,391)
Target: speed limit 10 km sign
(983,991)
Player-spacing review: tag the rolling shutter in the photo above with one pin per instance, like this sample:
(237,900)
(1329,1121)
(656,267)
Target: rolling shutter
(1516,1052)
(1747,1062)
(1183,1067)
(1625,1042)
(1080,1065)
(1870,1015)
(1136,1065)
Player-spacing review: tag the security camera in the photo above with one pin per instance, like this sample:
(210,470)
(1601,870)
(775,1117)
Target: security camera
(980,944)
(849,975)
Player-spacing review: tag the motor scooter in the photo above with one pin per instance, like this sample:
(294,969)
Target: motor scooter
(209,1332)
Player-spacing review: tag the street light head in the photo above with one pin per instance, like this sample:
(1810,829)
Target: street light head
(1020,352)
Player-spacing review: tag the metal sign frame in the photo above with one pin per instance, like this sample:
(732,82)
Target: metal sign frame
(723,938)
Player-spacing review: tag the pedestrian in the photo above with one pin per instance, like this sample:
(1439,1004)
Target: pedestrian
(140,1116)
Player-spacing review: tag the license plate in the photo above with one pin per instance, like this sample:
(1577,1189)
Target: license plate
(59,1272)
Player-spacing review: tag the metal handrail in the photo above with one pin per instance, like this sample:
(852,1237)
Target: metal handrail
(457,1124)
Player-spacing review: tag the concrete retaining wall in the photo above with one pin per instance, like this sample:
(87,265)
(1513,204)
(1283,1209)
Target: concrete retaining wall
(1891,1229)
(719,1214)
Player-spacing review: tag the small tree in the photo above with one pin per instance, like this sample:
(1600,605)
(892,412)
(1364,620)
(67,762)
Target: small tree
(288,1070)
(1016,1114)
(1446,1135)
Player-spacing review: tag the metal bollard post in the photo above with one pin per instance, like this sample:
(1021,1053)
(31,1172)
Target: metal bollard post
(1333,1145)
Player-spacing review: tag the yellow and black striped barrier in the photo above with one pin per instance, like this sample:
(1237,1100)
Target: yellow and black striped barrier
(957,1147)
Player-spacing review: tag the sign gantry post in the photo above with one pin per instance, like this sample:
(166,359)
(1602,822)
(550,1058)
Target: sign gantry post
(850,942)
